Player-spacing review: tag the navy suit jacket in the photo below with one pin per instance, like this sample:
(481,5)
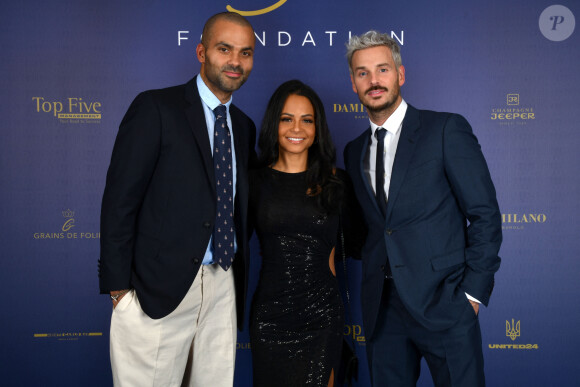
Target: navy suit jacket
(442,230)
(159,204)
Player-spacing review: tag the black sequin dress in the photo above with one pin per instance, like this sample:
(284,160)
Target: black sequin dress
(297,317)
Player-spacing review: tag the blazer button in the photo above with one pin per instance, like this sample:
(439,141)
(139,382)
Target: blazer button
(389,231)
(382,267)
(206,224)
(195,260)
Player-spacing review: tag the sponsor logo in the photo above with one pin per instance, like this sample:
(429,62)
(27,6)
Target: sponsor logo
(513,99)
(257,12)
(557,23)
(243,346)
(519,221)
(67,336)
(512,113)
(67,231)
(355,110)
(355,331)
(309,38)
(305,39)
(73,110)
(512,330)
(70,220)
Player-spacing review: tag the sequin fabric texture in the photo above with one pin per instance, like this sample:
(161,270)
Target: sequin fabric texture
(297,315)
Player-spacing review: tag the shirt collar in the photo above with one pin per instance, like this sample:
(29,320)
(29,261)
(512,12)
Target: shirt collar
(208,97)
(393,123)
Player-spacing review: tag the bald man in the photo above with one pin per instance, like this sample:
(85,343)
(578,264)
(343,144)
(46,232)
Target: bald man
(174,253)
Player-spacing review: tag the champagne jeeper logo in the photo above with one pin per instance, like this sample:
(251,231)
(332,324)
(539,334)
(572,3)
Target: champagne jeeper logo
(67,230)
(513,331)
(519,221)
(73,110)
(512,113)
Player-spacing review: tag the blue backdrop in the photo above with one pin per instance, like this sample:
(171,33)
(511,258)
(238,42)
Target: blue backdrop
(71,68)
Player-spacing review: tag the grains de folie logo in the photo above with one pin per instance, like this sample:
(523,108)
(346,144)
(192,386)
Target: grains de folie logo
(68,230)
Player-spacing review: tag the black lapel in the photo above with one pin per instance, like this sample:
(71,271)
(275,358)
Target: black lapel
(196,118)
(240,137)
(403,155)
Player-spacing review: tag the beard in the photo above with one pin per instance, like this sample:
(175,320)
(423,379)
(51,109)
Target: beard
(392,98)
(217,77)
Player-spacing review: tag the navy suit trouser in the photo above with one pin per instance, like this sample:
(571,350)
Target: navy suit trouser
(394,352)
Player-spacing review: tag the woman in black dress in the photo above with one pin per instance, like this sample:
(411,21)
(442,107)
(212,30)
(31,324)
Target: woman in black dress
(296,323)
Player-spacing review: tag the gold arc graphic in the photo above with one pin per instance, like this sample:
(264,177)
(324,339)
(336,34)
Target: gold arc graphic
(257,12)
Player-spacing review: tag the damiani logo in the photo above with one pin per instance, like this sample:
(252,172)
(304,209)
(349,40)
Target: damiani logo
(357,109)
(257,12)
(74,110)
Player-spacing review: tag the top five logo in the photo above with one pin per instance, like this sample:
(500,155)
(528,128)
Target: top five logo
(72,110)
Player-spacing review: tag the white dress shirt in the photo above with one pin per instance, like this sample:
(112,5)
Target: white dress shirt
(393,126)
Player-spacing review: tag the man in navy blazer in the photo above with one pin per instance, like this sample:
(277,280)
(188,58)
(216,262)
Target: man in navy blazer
(434,228)
(175,309)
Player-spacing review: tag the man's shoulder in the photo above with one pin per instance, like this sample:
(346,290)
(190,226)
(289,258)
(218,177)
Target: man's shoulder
(431,115)
(167,92)
(172,97)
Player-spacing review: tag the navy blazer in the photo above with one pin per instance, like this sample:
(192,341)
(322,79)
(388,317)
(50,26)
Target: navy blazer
(159,204)
(442,230)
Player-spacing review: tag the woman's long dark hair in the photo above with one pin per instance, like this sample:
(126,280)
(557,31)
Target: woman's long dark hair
(320,177)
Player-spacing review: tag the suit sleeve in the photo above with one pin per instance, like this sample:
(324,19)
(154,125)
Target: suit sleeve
(133,162)
(474,191)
